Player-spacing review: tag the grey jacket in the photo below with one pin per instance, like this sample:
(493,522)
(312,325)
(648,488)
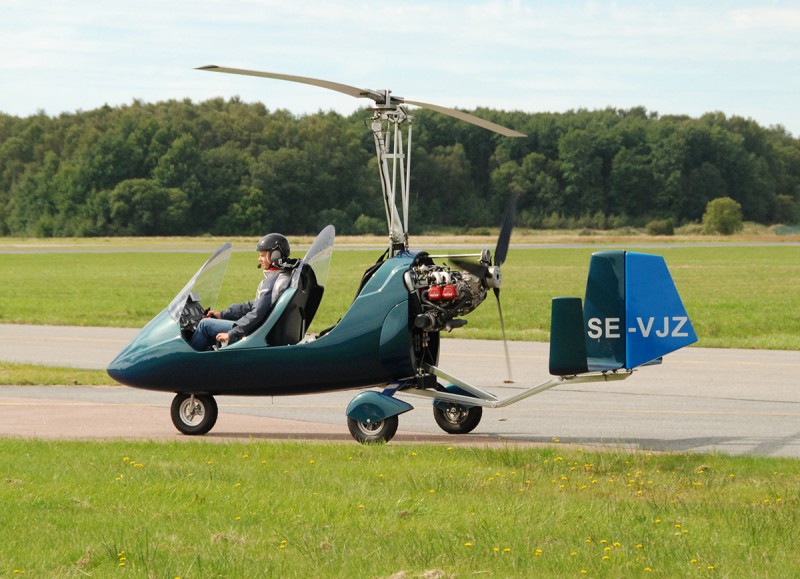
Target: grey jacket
(251,314)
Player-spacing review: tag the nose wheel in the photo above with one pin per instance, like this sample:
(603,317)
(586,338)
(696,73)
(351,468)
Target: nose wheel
(193,414)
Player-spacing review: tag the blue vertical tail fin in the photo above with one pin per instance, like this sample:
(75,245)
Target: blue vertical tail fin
(632,315)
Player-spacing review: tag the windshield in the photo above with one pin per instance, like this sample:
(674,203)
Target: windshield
(318,255)
(205,285)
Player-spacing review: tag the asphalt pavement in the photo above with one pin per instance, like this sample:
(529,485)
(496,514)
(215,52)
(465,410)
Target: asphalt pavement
(698,400)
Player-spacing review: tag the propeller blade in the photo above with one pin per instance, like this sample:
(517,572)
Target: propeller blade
(503,239)
(380,97)
(483,123)
(475,268)
(509,380)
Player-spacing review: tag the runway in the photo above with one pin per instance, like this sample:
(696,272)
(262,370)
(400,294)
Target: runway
(699,400)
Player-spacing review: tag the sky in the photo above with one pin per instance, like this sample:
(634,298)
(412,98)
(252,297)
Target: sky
(740,57)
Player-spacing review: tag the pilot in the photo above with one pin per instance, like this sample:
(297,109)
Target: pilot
(240,320)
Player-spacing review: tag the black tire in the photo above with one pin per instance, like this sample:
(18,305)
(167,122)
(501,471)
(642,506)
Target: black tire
(457,419)
(380,431)
(194,415)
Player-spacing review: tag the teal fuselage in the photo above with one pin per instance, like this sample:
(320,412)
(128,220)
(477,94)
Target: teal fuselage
(371,345)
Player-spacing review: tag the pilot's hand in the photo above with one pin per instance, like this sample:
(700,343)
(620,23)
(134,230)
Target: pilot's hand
(222,337)
(212,314)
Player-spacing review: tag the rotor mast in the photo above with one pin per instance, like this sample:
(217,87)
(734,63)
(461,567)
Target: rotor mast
(394,164)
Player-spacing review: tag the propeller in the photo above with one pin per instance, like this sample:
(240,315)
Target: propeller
(382,98)
(490,272)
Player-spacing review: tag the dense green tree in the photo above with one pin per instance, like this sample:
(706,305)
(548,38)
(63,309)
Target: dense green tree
(232,168)
(723,215)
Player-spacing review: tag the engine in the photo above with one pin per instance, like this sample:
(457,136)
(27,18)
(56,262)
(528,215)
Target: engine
(444,294)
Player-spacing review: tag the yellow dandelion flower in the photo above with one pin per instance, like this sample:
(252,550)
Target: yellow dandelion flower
(496,549)
(508,550)
(648,570)
(468,544)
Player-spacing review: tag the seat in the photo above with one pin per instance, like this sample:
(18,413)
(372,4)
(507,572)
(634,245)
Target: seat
(298,313)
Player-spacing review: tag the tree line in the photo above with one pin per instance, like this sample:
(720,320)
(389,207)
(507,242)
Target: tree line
(225,167)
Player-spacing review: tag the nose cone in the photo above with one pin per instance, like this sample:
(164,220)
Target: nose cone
(150,356)
(119,367)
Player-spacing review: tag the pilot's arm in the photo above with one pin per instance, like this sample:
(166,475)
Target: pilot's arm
(256,311)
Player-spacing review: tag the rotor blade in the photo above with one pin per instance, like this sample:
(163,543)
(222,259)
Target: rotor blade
(505,131)
(505,231)
(477,269)
(510,380)
(380,97)
(377,96)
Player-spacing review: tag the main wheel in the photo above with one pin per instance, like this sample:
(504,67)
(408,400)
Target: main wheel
(457,419)
(380,431)
(194,414)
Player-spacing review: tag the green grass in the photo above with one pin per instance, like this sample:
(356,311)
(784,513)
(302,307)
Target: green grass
(13,374)
(255,509)
(738,297)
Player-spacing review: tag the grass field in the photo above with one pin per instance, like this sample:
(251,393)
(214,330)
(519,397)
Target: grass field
(77,509)
(737,296)
(278,509)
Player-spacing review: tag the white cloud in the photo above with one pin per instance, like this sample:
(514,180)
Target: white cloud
(741,56)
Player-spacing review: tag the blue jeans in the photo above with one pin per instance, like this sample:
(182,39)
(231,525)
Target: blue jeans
(206,333)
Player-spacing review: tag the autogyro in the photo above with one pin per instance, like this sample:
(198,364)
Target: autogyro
(389,337)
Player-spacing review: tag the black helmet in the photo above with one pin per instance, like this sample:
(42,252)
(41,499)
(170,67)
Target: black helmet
(276,245)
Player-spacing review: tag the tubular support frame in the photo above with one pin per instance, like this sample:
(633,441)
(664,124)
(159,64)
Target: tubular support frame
(489,400)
